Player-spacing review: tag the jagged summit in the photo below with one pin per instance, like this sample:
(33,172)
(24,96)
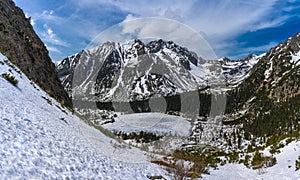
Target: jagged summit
(115,69)
(112,71)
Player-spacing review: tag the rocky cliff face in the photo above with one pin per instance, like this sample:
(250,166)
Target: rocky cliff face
(23,47)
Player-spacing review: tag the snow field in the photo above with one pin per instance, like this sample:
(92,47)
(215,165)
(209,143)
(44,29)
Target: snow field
(40,141)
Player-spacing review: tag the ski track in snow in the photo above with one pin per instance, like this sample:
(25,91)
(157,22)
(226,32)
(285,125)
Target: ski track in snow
(36,143)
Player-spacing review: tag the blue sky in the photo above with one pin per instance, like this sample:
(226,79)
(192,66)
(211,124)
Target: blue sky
(232,28)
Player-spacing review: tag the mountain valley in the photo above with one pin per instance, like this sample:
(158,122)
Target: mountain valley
(145,110)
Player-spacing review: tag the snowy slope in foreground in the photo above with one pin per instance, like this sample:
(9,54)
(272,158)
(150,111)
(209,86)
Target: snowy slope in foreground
(40,141)
(284,169)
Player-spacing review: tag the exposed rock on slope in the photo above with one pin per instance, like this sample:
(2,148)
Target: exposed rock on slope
(236,71)
(23,47)
(270,97)
(123,72)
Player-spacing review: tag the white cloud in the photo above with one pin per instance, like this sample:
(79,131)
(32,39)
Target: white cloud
(157,28)
(50,37)
(217,21)
(291,8)
(53,49)
(261,48)
(130,17)
(211,17)
(268,24)
(49,15)
(31,20)
(220,21)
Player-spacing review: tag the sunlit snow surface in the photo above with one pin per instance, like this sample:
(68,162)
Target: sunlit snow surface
(39,141)
(296,59)
(283,170)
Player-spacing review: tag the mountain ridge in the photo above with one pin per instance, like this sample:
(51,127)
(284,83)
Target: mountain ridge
(136,60)
(24,48)
(196,72)
(271,92)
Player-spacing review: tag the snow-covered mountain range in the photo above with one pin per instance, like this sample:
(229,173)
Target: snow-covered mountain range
(42,137)
(138,71)
(235,71)
(133,71)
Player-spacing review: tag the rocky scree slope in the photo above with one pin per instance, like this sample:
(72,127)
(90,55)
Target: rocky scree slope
(23,47)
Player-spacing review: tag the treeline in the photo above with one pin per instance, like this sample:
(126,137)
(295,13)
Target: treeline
(142,137)
(274,118)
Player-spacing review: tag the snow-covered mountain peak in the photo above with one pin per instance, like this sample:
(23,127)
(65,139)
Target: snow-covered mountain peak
(110,71)
(235,71)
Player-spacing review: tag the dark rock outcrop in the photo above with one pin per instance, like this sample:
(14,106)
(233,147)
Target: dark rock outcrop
(24,48)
